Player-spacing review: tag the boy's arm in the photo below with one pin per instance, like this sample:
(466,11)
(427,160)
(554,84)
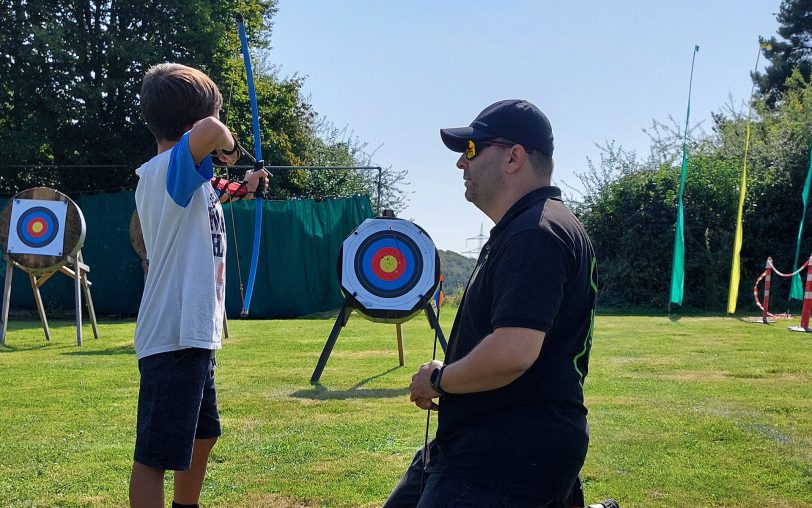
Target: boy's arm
(230,191)
(207,135)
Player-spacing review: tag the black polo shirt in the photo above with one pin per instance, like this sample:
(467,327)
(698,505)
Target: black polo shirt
(536,271)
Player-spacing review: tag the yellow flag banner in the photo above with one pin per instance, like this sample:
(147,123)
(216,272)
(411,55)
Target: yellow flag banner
(735,269)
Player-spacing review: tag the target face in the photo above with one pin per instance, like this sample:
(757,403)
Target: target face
(37,227)
(389,264)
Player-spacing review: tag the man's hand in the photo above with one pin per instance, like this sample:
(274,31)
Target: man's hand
(426,404)
(420,389)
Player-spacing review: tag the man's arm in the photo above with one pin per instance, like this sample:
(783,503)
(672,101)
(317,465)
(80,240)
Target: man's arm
(495,362)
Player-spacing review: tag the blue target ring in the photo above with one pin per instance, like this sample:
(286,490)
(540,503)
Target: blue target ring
(402,264)
(37,227)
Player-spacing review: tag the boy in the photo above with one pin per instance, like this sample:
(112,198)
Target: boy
(181,315)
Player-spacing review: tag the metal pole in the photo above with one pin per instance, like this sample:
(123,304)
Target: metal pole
(380,170)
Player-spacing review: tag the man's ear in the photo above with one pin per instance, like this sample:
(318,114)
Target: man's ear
(518,158)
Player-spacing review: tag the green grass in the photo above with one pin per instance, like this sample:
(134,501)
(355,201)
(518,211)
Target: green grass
(692,412)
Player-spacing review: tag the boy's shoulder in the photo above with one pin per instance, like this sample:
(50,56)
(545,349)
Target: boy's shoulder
(159,161)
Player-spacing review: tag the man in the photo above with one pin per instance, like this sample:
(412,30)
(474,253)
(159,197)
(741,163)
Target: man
(512,425)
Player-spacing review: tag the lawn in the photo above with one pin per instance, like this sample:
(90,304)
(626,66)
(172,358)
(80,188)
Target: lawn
(687,412)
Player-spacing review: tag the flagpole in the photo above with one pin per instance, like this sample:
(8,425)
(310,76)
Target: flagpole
(735,269)
(678,259)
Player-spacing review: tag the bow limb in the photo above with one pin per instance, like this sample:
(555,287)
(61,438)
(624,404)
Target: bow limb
(259,165)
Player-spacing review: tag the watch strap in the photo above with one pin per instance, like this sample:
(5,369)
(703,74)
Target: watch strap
(436,378)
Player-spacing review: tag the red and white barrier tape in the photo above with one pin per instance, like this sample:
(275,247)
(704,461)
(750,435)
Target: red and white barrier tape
(775,270)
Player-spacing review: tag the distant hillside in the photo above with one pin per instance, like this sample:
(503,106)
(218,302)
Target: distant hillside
(456,268)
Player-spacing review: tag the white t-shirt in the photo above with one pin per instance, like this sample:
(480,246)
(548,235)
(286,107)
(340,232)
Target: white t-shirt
(184,234)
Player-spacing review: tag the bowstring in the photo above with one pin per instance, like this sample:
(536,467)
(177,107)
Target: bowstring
(231,204)
(425,454)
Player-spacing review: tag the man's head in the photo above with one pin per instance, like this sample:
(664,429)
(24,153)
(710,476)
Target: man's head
(512,120)
(174,97)
(506,152)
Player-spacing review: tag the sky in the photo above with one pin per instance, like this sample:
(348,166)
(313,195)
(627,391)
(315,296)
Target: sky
(394,72)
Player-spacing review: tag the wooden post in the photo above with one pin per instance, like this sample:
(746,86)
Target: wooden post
(399,333)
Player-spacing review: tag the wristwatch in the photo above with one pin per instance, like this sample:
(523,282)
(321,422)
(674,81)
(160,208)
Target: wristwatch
(434,380)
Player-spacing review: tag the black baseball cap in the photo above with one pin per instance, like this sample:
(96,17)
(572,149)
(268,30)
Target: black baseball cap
(513,119)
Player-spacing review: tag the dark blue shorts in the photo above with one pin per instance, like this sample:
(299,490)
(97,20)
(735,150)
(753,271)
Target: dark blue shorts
(177,404)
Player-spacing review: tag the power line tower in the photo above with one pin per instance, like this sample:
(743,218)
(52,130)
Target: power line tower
(480,240)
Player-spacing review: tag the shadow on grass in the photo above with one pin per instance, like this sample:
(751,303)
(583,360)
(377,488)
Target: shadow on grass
(319,392)
(6,348)
(119,350)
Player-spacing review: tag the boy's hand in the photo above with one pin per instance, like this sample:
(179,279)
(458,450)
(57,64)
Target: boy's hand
(229,159)
(208,136)
(252,179)
(228,155)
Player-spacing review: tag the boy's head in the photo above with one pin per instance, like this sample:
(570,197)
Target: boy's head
(174,97)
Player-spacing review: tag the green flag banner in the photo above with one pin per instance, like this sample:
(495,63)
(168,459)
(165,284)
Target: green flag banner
(678,262)
(797,291)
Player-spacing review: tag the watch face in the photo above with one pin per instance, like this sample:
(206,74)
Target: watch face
(435,374)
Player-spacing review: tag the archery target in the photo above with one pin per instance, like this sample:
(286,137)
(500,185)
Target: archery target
(389,265)
(37,227)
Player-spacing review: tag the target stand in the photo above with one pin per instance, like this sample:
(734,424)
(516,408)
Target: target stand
(388,269)
(41,233)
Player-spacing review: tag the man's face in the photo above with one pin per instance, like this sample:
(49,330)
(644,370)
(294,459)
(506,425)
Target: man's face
(484,175)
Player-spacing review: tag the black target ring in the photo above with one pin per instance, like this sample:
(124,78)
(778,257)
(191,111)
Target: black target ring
(412,259)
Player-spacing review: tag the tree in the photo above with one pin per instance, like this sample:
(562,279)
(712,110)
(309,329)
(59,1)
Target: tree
(628,204)
(792,51)
(456,270)
(72,72)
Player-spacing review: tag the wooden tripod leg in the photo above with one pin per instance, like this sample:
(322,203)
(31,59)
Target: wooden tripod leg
(399,333)
(40,307)
(83,269)
(89,301)
(77,293)
(6,299)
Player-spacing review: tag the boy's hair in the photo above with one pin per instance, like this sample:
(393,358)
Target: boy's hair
(174,97)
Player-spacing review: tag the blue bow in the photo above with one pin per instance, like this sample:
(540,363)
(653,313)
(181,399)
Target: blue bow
(259,164)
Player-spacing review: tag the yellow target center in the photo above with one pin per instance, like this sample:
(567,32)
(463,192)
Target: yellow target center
(37,227)
(389,264)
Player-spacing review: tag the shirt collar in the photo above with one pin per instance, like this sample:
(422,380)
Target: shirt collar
(524,203)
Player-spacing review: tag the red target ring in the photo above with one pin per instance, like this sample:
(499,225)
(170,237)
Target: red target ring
(37,228)
(388,263)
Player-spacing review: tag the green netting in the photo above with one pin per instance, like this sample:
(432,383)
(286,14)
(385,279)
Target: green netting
(297,265)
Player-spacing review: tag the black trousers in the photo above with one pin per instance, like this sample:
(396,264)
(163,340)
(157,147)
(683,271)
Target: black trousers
(417,489)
